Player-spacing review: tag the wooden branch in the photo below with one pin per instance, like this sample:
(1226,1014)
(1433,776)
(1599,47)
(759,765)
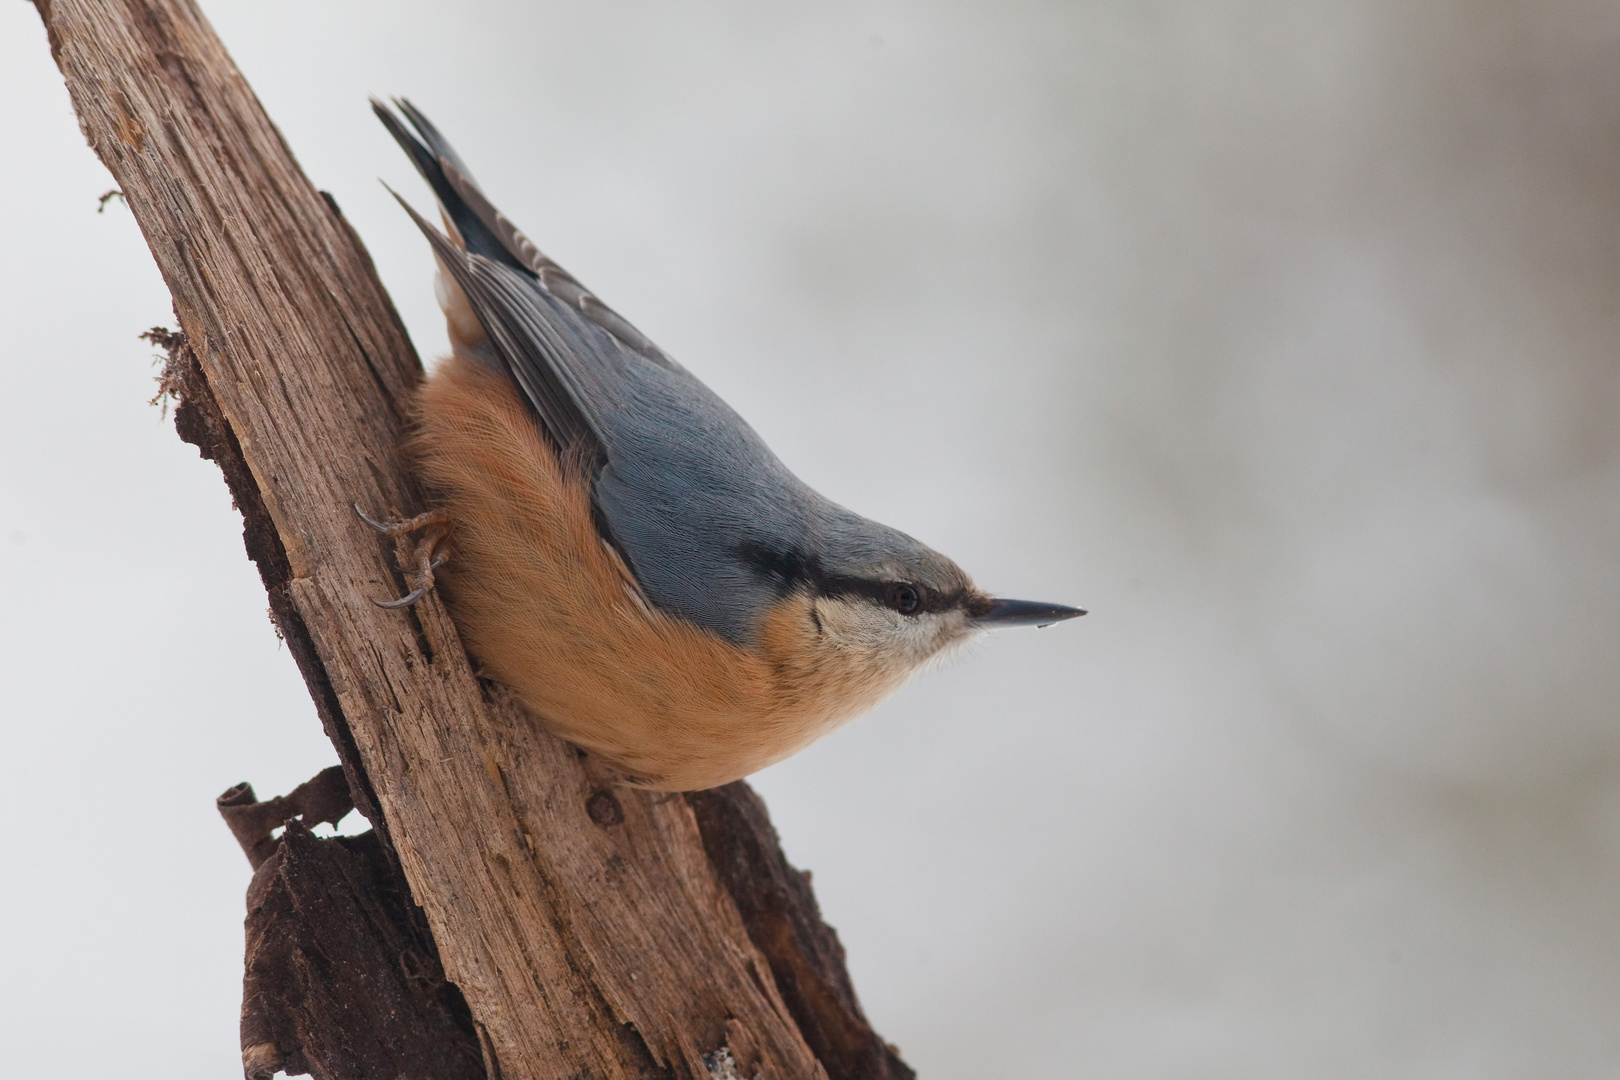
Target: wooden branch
(584,923)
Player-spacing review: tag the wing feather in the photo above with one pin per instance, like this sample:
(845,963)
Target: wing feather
(537,352)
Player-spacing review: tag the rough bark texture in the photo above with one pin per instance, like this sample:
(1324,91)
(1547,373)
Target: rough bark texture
(784,922)
(338,983)
(342,978)
(584,923)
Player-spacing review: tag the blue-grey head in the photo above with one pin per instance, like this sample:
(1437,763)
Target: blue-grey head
(873,589)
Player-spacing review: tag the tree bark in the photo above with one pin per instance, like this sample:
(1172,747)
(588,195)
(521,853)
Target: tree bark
(585,924)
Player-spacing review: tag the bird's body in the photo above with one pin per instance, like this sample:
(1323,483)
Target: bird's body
(628,556)
(551,610)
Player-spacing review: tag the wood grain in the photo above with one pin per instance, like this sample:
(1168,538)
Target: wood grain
(585,925)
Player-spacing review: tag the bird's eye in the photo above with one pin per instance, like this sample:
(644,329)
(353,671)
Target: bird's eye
(904,598)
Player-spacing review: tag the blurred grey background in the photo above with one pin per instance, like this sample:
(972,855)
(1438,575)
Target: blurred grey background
(1282,336)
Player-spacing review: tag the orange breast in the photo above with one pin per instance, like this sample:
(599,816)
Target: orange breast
(551,611)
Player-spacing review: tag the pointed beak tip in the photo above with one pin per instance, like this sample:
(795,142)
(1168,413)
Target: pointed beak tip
(1072,613)
(1004,613)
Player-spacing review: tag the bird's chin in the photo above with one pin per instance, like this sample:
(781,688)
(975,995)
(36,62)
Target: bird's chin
(946,635)
(890,645)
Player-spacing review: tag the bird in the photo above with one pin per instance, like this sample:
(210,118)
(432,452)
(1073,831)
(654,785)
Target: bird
(620,548)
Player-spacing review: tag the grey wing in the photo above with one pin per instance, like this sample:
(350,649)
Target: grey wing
(534,344)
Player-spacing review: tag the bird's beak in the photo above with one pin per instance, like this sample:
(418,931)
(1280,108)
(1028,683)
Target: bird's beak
(1023,613)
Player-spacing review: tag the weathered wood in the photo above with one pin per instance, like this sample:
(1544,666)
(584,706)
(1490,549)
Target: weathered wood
(784,922)
(583,922)
(342,979)
(326,798)
(199,421)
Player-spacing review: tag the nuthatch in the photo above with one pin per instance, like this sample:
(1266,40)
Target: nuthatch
(628,555)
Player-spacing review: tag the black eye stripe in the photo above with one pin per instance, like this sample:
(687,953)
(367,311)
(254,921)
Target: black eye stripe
(791,572)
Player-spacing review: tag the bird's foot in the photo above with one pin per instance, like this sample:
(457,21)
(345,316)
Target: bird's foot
(427,556)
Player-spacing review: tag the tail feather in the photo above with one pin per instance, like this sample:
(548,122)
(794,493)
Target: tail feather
(487,232)
(431,154)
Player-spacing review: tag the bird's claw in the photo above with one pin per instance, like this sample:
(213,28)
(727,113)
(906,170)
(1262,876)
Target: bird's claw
(380,526)
(415,594)
(436,520)
(427,557)
(405,601)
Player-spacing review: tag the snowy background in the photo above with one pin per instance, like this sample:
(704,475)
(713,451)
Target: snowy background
(1283,336)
